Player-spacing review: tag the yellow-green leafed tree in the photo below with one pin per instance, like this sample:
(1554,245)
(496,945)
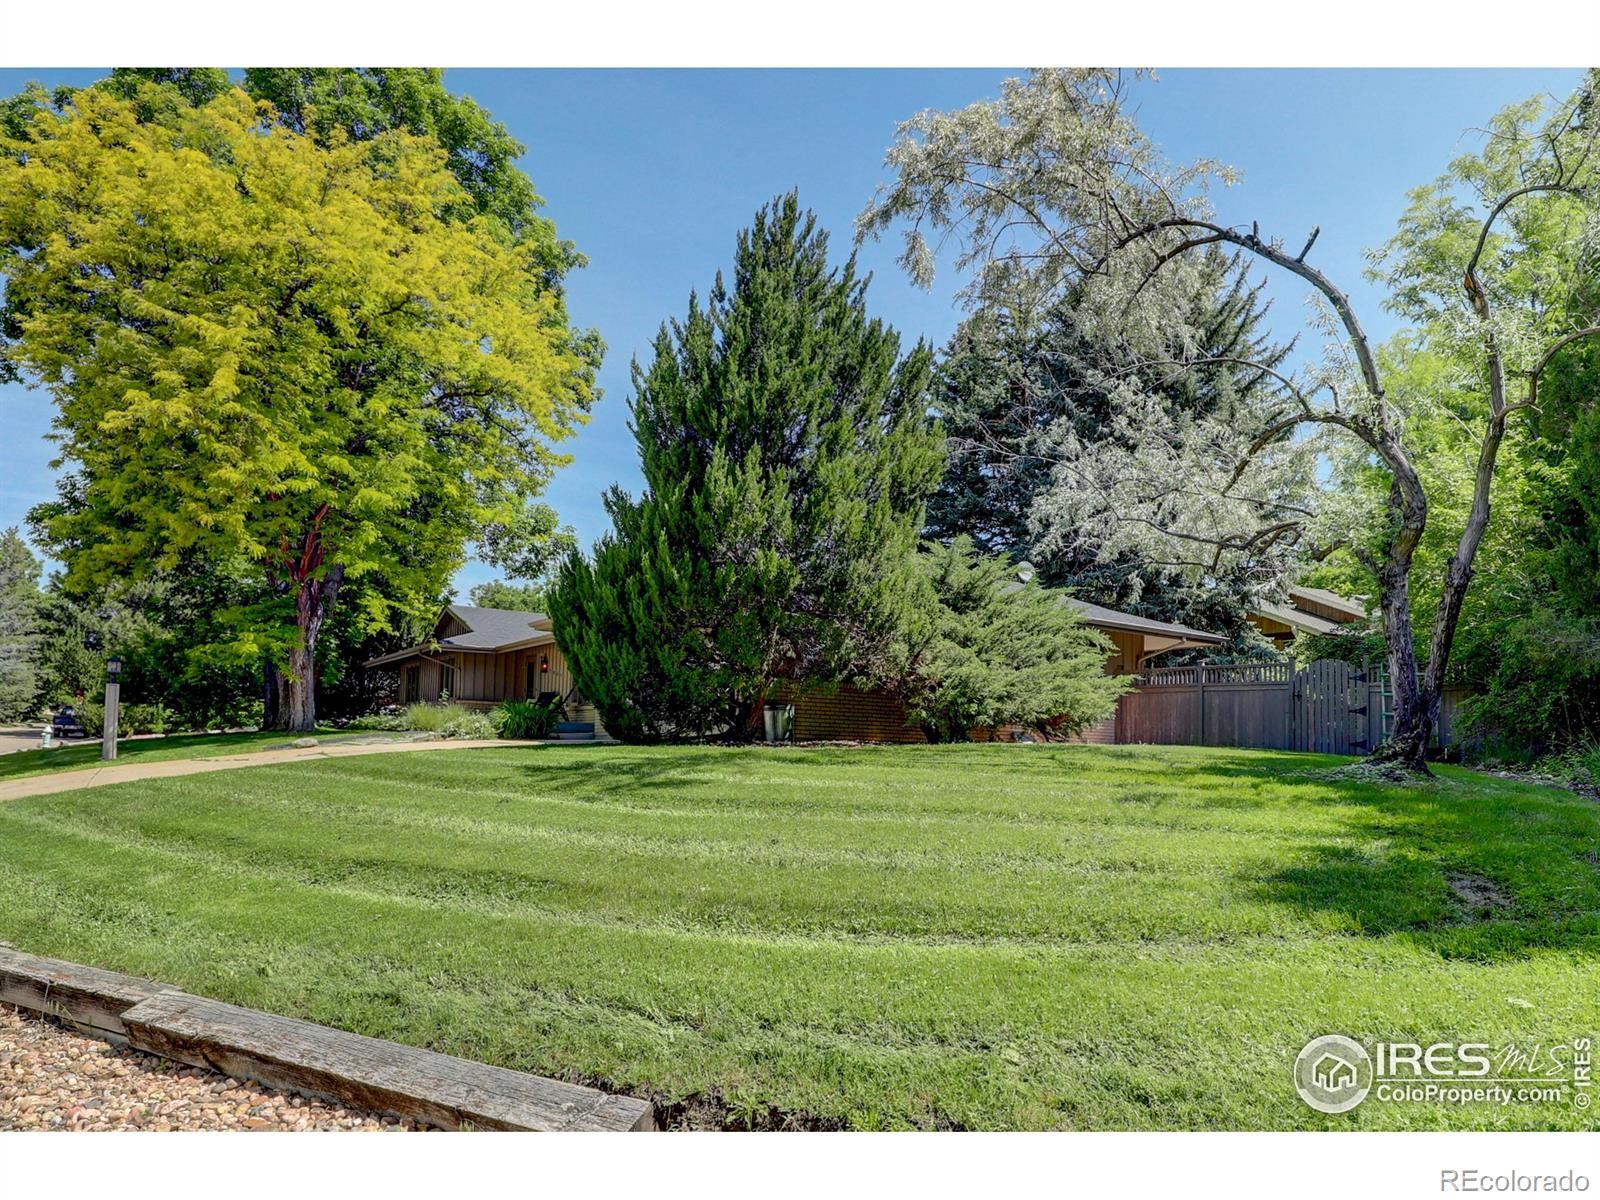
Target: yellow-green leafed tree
(264,345)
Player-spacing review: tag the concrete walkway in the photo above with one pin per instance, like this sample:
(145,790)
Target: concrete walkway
(89,777)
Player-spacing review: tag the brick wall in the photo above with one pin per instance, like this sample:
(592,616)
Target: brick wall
(1101,733)
(848,714)
(856,715)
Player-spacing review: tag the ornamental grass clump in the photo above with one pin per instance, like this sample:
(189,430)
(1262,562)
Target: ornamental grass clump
(448,720)
(525,719)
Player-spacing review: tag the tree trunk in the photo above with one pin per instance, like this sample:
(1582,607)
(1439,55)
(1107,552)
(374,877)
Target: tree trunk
(312,604)
(274,697)
(1417,711)
(302,715)
(749,719)
(1414,711)
(1459,571)
(1407,742)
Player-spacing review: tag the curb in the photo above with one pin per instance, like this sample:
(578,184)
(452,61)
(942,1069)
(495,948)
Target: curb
(348,1068)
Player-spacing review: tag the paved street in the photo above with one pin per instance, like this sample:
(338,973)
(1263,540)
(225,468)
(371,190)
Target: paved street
(18,737)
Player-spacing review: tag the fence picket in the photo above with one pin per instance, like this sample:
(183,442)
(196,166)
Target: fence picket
(1327,706)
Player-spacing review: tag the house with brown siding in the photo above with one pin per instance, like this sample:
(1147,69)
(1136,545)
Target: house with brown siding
(480,656)
(855,714)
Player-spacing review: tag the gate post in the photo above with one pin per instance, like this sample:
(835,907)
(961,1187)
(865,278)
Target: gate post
(1294,704)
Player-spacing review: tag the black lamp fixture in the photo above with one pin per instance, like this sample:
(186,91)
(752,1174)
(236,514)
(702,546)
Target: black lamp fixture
(544,664)
(114,667)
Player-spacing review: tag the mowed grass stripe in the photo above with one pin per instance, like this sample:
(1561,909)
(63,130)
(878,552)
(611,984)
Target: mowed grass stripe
(868,837)
(566,886)
(901,778)
(1109,852)
(813,897)
(1072,1018)
(887,983)
(1060,787)
(1177,888)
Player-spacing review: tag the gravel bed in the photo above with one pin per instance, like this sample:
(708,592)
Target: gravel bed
(53,1078)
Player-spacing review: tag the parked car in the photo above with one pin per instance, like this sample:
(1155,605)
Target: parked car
(65,724)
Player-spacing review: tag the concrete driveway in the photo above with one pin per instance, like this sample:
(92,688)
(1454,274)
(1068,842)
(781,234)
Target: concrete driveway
(19,737)
(123,772)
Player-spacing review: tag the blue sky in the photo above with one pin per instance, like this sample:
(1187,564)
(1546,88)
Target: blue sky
(651,173)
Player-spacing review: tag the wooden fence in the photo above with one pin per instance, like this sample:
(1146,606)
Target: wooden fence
(1327,706)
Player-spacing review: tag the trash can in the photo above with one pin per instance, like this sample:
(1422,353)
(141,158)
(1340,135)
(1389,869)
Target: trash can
(779,721)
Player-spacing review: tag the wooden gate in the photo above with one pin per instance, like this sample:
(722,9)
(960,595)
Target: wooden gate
(1326,706)
(1329,701)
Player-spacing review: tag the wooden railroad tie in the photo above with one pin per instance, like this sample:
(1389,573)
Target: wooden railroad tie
(364,1072)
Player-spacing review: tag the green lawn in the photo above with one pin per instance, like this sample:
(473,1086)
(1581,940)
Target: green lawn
(980,937)
(78,755)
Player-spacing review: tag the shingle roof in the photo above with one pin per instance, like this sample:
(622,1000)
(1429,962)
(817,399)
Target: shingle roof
(497,628)
(1294,617)
(491,628)
(1110,618)
(1329,599)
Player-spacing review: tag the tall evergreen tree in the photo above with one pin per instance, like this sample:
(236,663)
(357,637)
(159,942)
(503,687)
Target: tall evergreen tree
(787,455)
(19,626)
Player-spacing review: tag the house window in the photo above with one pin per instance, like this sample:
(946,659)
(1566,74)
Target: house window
(447,681)
(413,684)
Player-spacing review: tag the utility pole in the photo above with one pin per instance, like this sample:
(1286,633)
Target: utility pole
(108,736)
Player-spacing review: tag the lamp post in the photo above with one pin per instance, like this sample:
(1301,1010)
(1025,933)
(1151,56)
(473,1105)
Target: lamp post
(108,735)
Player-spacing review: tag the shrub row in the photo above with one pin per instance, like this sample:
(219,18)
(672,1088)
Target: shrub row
(513,719)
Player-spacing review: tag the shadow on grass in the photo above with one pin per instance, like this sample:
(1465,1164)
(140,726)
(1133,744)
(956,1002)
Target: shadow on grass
(1463,870)
(620,770)
(624,769)
(1464,866)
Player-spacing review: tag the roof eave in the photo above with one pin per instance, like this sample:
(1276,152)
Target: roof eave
(1178,644)
(1197,636)
(1344,604)
(1296,619)
(394,656)
(540,638)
